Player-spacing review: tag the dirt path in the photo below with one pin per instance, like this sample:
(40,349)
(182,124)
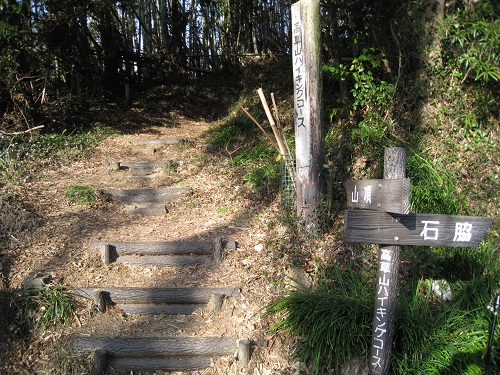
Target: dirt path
(221,206)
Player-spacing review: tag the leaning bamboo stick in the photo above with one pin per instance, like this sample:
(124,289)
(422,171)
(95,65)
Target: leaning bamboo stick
(278,122)
(261,128)
(279,140)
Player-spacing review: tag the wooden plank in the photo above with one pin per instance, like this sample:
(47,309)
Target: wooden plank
(146,164)
(157,191)
(414,229)
(149,309)
(156,248)
(148,195)
(150,176)
(159,363)
(381,195)
(166,141)
(154,346)
(129,199)
(147,210)
(164,260)
(136,295)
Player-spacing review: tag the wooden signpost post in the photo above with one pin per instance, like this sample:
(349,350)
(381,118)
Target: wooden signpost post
(384,219)
(307,78)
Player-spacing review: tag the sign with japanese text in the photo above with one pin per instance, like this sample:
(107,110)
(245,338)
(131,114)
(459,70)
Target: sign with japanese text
(381,195)
(376,227)
(300,77)
(384,306)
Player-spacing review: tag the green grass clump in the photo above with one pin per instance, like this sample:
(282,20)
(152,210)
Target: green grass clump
(82,194)
(432,190)
(52,305)
(333,320)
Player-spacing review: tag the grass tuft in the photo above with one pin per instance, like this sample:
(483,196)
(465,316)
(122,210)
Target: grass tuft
(82,194)
(332,321)
(51,304)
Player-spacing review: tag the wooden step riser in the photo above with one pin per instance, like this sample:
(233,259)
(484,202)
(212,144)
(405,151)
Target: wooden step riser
(165,261)
(158,295)
(165,254)
(157,248)
(158,347)
(160,142)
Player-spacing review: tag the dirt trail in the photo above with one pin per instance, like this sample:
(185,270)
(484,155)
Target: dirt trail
(221,206)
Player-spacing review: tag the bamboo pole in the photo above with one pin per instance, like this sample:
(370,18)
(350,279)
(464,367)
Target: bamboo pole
(279,140)
(278,123)
(261,128)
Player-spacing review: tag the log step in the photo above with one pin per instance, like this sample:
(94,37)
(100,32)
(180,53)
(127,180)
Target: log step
(143,169)
(136,295)
(148,195)
(158,363)
(147,309)
(154,354)
(168,253)
(160,142)
(160,354)
(156,346)
(165,261)
(151,209)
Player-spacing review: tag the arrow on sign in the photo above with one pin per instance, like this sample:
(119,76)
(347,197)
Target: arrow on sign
(376,227)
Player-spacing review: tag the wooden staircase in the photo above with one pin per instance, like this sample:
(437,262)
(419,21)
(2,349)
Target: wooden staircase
(152,353)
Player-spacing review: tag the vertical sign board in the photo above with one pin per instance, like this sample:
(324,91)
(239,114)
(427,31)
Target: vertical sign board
(308,113)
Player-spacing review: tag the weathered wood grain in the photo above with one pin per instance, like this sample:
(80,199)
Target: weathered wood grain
(308,109)
(138,295)
(153,346)
(413,229)
(149,309)
(165,260)
(381,195)
(147,210)
(156,248)
(165,141)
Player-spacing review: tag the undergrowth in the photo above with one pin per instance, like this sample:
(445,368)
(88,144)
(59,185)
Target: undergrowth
(448,122)
(25,156)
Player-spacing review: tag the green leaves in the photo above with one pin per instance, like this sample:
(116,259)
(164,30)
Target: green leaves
(472,40)
(52,304)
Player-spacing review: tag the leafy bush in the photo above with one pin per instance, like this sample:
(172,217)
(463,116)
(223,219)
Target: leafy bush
(369,104)
(472,40)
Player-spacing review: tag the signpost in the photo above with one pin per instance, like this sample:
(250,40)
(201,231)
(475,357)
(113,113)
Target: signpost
(308,112)
(384,219)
